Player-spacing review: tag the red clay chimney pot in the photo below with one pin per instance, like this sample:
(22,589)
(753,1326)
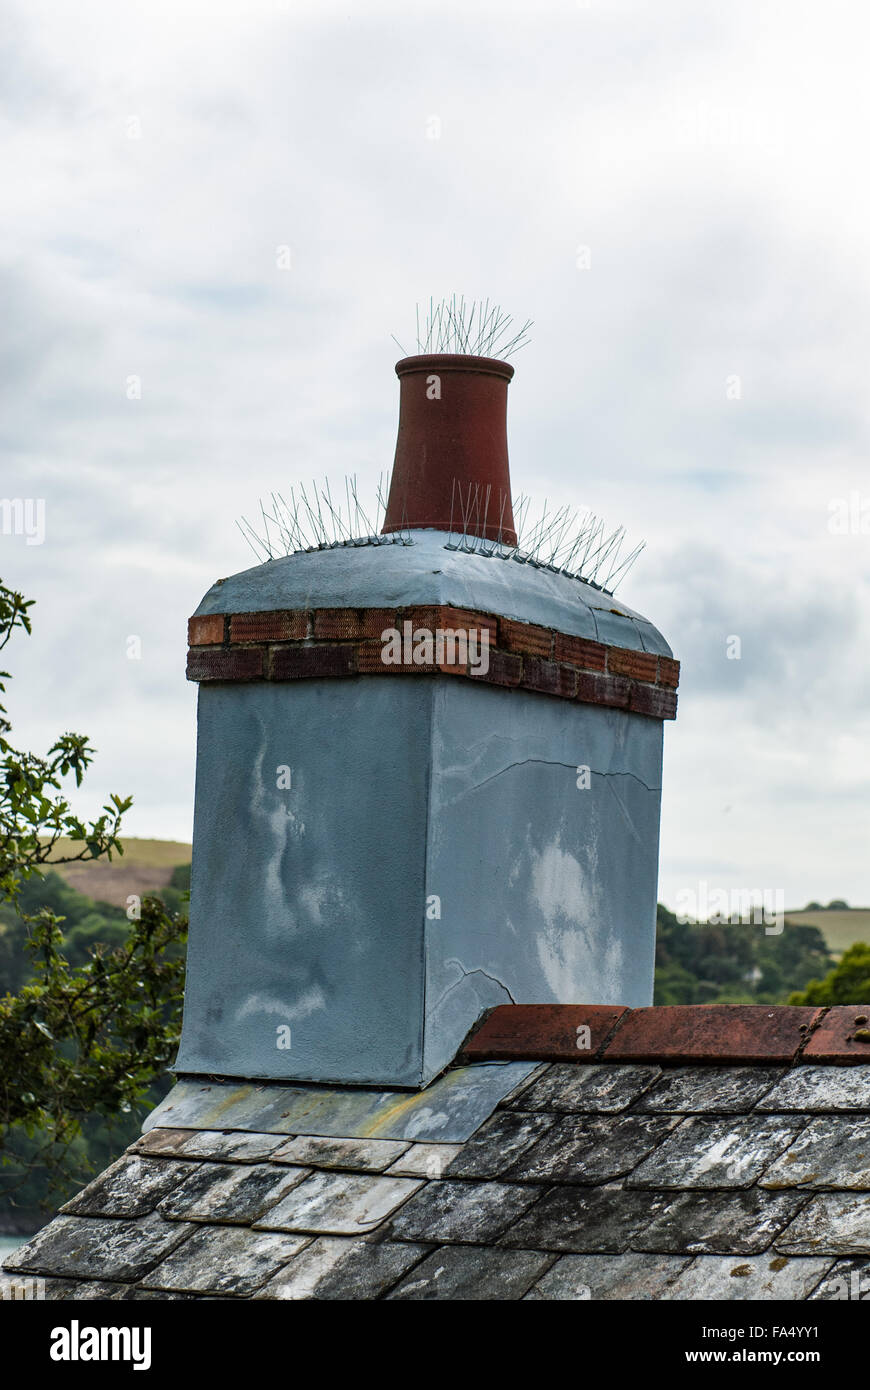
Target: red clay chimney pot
(452,447)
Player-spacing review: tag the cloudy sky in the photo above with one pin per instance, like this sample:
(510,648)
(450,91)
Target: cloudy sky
(676,194)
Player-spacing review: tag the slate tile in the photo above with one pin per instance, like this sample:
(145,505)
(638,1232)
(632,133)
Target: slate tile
(366,1155)
(84,1290)
(225,1192)
(603,1089)
(580,1219)
(230,1146)
(425,1161)
(344,1268)
(848,1280)
(835,1223)
(447,1112)
(719,1223)
(709,1090)
(161,1141)
(473,1273)
(590,1150)
(526,1081)
(751,1277)
(705,1152)
(808,1088)
(833,1151)
(231,1260)
(339,1203)
(132,1186)
(136,1293)
(462,1211)
(629,1276)
(498,1144)
(96,1248)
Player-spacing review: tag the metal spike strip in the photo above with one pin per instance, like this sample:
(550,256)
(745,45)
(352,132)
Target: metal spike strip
(478,329)
(561,541)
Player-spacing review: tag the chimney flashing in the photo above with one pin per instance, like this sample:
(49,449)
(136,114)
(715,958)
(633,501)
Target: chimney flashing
(428,571)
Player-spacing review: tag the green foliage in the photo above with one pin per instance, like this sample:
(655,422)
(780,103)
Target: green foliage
(90,1019)
(847,983)
(34,813)
(734,964)
(89,1039)
(86,924)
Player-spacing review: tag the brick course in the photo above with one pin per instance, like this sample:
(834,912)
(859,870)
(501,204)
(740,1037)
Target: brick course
(676,1035)
(327,643)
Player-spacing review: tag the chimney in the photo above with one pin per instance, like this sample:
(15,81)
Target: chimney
(428,776)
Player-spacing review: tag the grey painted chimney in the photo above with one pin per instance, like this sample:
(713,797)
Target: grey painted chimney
(395,830)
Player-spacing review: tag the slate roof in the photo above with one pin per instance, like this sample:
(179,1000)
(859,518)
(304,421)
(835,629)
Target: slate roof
(602,1180)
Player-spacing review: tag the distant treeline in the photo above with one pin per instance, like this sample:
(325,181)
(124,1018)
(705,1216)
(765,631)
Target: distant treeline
(25,1189)
(735,964)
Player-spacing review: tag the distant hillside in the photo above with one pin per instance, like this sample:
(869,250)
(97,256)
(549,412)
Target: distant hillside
(841,927)
(145,866)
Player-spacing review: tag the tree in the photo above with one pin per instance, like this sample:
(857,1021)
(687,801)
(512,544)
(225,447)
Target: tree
(735,964)
(86,1039)
(847,983)
(34,813)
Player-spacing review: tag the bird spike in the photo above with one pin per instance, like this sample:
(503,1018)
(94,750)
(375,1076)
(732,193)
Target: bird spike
(478,329)
(574,544)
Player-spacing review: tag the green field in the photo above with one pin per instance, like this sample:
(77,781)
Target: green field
(144,867)
(840,927)
(161,854)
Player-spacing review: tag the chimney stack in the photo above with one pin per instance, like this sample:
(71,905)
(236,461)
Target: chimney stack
(428,777)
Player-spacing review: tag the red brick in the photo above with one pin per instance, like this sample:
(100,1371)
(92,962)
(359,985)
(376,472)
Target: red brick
(504,669)
(549,678)
(225,663)
(711,1033)
(589,656)
(526,638)
(654,700)
(427,617)
(207,630)
(842,1036)
(370,662)
(594,689)
(313,663)
(643,666)
(669,671)
(349,623)
(268,627)
(542,1032)
(463,619)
